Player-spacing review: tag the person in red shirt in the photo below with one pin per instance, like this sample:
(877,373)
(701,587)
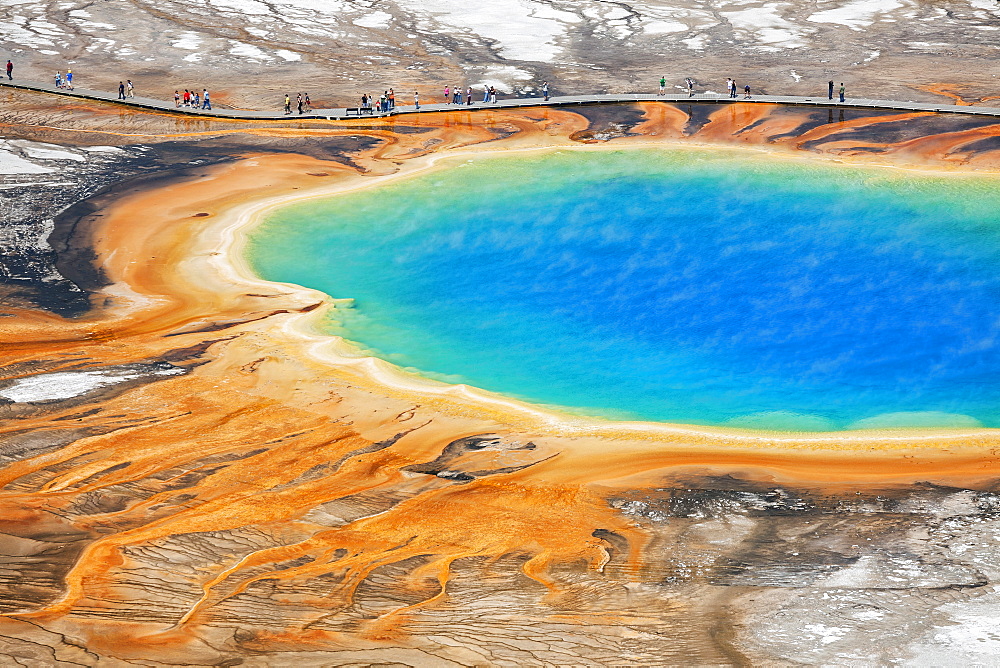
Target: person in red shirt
(10,68)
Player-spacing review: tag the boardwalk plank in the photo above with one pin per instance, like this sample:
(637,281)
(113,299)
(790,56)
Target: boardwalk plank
(555,101)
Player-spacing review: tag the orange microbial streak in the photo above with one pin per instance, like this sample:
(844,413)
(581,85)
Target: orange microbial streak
(945,90)
(270,493)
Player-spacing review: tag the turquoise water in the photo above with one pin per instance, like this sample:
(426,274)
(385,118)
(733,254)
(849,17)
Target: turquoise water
(699,287)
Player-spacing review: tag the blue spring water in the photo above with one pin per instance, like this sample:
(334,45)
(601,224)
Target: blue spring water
(698,287)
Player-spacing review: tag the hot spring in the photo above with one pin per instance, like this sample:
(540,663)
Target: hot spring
(719,288)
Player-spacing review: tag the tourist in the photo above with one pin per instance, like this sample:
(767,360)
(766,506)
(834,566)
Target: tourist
(383,103)
(545,90)
(288,104)
(205,102)
(468,96)
(830,86)
(663,85)
(309,104)
(447,94)
(493,94)
(690,86)
(298,103)
(392,99)
(746,92)
(842,91)
(416,100)
(128,87)
(10,70)
(177,98)
(58,79)
(732,88)
(69,79)
(195,100)
(456,95)
(121,90)
(364,100)
(486,93)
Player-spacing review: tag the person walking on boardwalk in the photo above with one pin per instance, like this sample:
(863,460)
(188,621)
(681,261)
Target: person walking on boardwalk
(842,91)
(298,103)
(308,103)
(177,98)
(121,90)
(447,94)
(416,100)
(69,79)
(663,85)
(205,102)
(456,95)
(128,87)
(392,99)
(690,86)
(468,96)
(288,104)
(486,93)
(830,86)
(493,94)
(58,79)
(746,92)
(187,98)
(732,88)
(10,70)
(545,90)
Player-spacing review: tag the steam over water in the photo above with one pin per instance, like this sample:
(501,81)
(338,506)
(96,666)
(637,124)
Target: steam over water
(714,288)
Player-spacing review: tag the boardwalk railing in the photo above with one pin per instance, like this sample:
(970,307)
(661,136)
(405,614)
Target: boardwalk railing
(556,101)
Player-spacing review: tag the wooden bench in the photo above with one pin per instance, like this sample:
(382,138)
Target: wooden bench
(359,110)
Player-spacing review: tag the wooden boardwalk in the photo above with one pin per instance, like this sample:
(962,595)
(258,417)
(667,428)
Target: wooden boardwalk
(555,101)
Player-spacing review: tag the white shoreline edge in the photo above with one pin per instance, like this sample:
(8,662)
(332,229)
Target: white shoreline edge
(223,243)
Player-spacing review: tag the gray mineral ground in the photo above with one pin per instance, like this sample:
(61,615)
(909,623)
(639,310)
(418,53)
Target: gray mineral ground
(250,52)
